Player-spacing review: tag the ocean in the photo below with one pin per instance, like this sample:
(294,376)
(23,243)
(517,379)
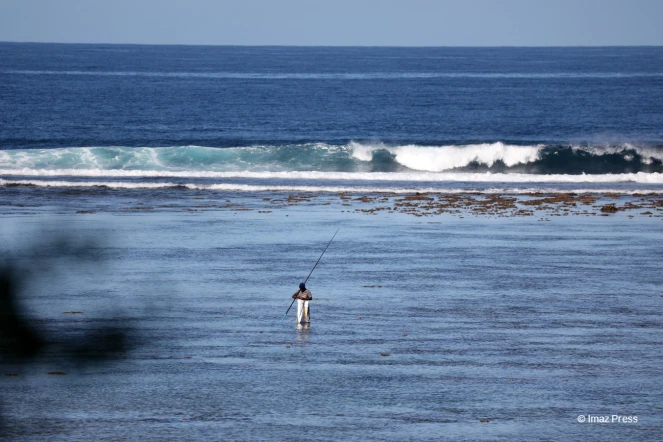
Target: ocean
(394,118)
(496,274)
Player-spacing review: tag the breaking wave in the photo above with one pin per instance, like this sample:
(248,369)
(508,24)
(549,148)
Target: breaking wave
(625,162)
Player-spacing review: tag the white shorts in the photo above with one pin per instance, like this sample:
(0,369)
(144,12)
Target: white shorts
(303,314)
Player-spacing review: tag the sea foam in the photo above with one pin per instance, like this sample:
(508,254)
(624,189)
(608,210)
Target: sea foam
(235,187)
(354,157)
(438,159)
(487,177)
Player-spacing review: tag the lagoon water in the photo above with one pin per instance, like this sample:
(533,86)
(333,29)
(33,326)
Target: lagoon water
(209,180)
(524,323)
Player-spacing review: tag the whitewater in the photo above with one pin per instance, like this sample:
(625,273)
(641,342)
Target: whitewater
(355,166)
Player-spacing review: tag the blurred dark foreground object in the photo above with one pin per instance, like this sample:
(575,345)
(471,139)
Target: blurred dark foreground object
(18,338)
(21,342)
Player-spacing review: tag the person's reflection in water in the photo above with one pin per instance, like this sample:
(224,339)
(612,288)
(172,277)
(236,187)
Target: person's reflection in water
(303,331)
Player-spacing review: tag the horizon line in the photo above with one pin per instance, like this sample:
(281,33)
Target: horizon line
(334,46)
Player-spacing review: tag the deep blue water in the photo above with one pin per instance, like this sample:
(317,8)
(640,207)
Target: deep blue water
(130,95)
(403,119)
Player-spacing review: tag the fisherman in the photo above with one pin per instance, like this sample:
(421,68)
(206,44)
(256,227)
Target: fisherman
(303,296)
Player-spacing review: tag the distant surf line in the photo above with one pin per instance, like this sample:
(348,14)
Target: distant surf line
(232,187)
(341,75)
(487,177)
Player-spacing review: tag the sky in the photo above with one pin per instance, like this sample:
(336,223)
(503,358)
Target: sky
(336,22)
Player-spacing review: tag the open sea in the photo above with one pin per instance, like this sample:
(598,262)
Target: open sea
(201,184)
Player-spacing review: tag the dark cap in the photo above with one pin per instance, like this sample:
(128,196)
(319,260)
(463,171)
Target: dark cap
(302,286)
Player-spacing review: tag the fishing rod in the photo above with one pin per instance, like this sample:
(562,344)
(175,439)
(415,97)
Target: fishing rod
(309,275)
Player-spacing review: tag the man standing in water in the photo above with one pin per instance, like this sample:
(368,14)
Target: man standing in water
(303,296)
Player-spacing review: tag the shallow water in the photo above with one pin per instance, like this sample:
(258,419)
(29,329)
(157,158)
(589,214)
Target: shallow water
(524,323)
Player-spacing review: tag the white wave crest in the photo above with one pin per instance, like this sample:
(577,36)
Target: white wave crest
(313,189)
(647,154)
(441,158)
(363,152)
(486,177)
(438,159)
